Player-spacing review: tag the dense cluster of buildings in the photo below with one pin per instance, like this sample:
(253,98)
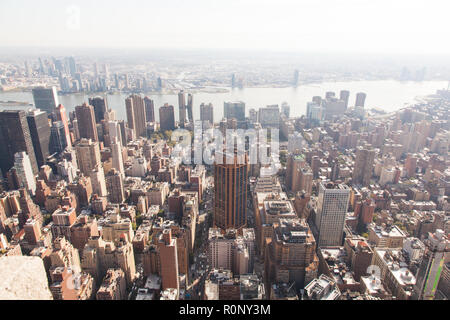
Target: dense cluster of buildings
(358,209)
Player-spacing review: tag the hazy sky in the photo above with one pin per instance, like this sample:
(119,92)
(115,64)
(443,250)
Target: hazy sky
(391,26)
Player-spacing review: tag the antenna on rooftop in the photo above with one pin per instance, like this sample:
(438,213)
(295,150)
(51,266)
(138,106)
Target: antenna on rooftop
(291,287)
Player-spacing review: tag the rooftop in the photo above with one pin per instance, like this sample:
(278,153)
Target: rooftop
(373,284)
(388,231)
(153,282)
(322,288)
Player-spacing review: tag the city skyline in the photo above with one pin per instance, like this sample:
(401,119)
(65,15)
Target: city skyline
(247,151)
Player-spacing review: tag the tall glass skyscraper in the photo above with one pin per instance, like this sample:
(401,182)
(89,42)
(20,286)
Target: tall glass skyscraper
(234,110)
(45,99)
(40,134)
(15,137)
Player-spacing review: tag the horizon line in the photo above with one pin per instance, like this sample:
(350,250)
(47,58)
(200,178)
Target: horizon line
(367,53)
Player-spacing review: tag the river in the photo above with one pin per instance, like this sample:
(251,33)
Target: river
(389,95)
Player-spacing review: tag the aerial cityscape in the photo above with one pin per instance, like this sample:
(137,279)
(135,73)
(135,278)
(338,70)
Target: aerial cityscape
(198,175)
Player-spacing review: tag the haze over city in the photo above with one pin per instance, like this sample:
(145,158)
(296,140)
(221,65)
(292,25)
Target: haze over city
(363,26)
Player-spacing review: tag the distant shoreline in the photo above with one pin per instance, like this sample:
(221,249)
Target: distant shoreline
(213,89)
(386,95)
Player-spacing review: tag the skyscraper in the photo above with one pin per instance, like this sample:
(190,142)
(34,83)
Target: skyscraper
(115,133)
(411,165)
(127,81)
(159,84)
(182,108)
(269,116)
(114,186)
(234,110)
(291,255)
(169,260)
(149,109)
(207,113)
(362,171)
(299,176)
(166,118)
(15,137)
(190,106)
(116,154)
(88,156)
(61,115)
(63,219)
(58,140)
(331,210)
(428,276)
(333,107)
(230,198)
(330,94)
(79,80)
(24,172)
(87,127)
(286,109)
(360,99)
(29,210)
(98,181)
(136,115)
(110,115)
(45,99)
(32,232)
(123,131)
(314,111)
(231,251)
(40,134)
(100,107)
(345,95)
(72,66)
